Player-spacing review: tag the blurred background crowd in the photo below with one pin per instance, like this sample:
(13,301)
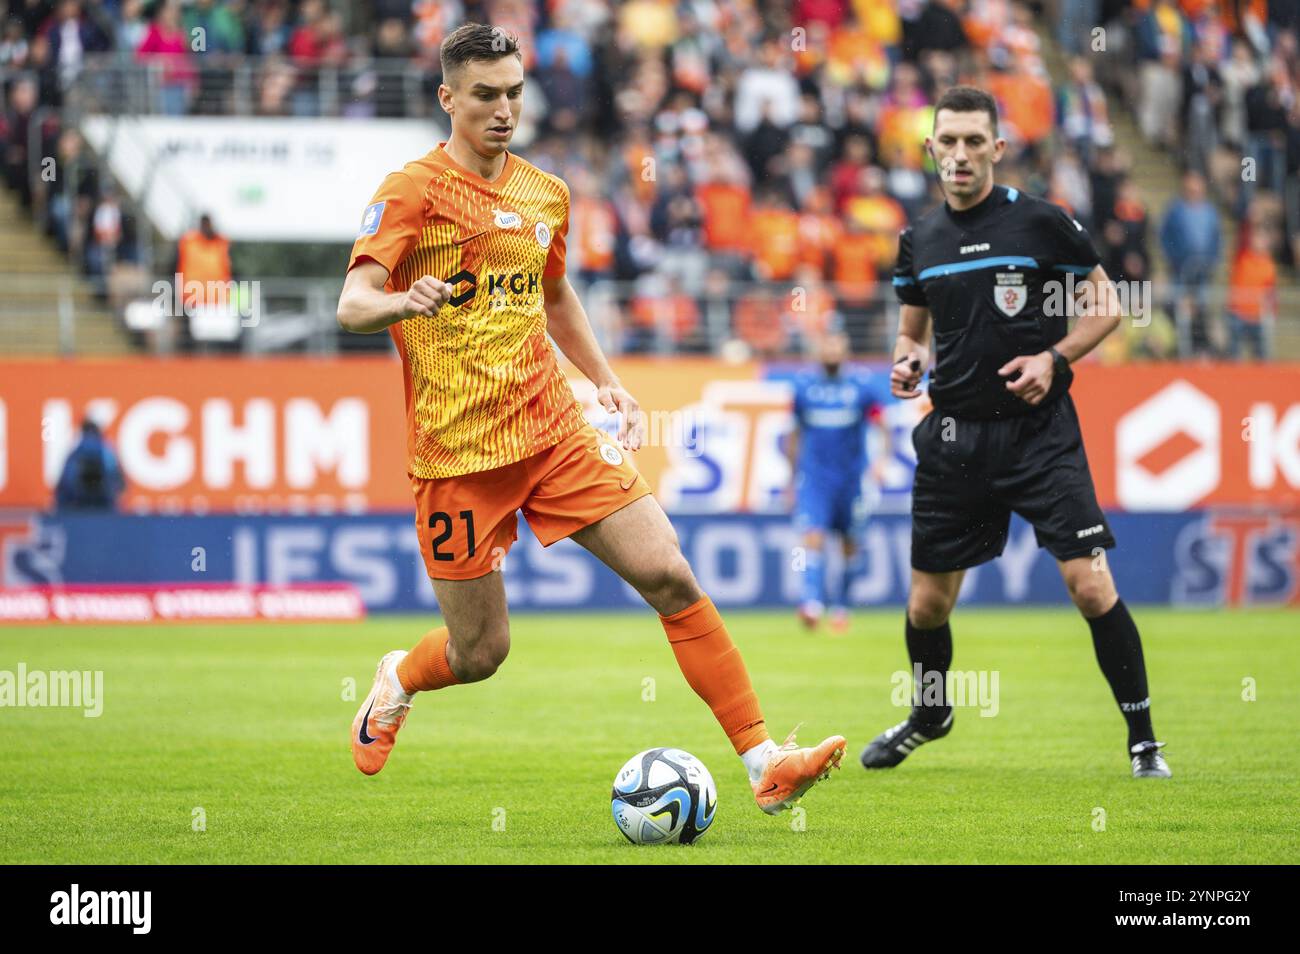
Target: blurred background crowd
(740,169)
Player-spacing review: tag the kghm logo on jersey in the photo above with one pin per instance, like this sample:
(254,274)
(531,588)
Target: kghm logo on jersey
(1010,292)
(517,289)
(506,220)
(543,235)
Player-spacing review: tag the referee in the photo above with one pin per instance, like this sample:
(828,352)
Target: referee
(987,268)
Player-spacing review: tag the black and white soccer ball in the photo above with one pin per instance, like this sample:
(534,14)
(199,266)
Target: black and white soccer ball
(664,796)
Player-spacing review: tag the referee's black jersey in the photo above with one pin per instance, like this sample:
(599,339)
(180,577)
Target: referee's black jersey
(982,273)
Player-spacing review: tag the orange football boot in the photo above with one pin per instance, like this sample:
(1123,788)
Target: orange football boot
(792,770)
(374,730)
(839,621)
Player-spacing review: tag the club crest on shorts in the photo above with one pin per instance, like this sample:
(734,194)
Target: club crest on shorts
(543,232)
(1010,293)
(610,454)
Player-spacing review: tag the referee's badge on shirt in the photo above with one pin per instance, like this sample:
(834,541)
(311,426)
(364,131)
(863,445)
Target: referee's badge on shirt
(1011,293)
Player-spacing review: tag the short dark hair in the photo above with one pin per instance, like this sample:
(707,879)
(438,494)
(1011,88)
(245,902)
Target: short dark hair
(475,41)
(968,99)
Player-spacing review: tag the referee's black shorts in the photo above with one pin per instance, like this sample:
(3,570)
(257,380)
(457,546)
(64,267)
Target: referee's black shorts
(970,476)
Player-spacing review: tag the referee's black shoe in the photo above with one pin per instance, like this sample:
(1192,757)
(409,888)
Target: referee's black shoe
(1148,762)
(893,745)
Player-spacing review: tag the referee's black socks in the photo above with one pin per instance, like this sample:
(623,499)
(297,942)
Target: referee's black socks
(930,651)
(1119,653)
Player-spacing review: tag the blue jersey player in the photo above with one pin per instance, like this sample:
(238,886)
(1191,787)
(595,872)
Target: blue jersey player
(828,455)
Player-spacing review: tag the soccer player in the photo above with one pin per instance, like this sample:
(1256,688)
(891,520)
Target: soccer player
(461,258)
(828,456)
(987,268)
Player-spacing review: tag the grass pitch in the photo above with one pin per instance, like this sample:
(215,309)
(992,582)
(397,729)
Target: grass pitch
(245,729)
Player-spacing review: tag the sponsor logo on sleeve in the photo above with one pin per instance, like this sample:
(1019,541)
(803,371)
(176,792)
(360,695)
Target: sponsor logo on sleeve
(371,219)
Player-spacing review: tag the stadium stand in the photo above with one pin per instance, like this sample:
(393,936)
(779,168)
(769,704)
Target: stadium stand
(740,170)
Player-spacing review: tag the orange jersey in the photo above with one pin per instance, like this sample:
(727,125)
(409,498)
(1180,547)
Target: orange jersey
(483,387)
(1252,284)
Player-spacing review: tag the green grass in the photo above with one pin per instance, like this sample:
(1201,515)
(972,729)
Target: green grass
(248,723)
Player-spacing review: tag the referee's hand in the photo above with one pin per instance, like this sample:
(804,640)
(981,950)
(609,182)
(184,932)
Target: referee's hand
(905,376)
(1029,376)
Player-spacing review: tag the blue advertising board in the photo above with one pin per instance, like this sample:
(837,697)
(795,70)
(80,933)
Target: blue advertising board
(741,560)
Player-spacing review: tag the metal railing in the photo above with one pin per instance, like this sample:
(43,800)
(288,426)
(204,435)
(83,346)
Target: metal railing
(217,85)
(132,310)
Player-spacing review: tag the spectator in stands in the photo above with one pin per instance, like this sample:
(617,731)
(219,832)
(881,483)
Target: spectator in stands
(91,478)
(1163,38)
(69,205)
(1069,185)
(812,133)
(167,44)
(675,222)
(846,173)
(764,143)
(1239,74)
(132,26)
(566,94)
(1266,124)
(819,229)
(105,237)
(1252,296)
(17,118)
(1105,172)
(774,236)
(1076,20)
(14,48)
(936,26)
(724,202)
(270,32)
(1201,105)
(1192,241)
(593,228)
(879,214)
(853,268)
(767,89)
(71,36)
(1124,236)
(1084,118)
(683,114)
(216,32)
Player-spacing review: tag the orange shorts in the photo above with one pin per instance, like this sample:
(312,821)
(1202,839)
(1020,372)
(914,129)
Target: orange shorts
(467,524)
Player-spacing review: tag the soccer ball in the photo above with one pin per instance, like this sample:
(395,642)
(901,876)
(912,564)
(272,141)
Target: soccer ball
(664,796)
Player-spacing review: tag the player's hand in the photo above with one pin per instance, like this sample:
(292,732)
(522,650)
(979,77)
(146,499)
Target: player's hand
(631,422)
(905,376)
(1035,376)
(426,296)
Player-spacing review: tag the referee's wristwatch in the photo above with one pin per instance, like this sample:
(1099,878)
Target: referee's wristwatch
(1059,364)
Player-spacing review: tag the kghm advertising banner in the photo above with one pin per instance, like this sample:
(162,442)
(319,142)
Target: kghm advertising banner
(304,435)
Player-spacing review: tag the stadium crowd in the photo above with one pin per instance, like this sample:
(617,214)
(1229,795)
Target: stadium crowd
(741,168)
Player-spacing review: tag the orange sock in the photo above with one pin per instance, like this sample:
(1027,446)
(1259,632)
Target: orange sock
(425,667)
(712,665)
